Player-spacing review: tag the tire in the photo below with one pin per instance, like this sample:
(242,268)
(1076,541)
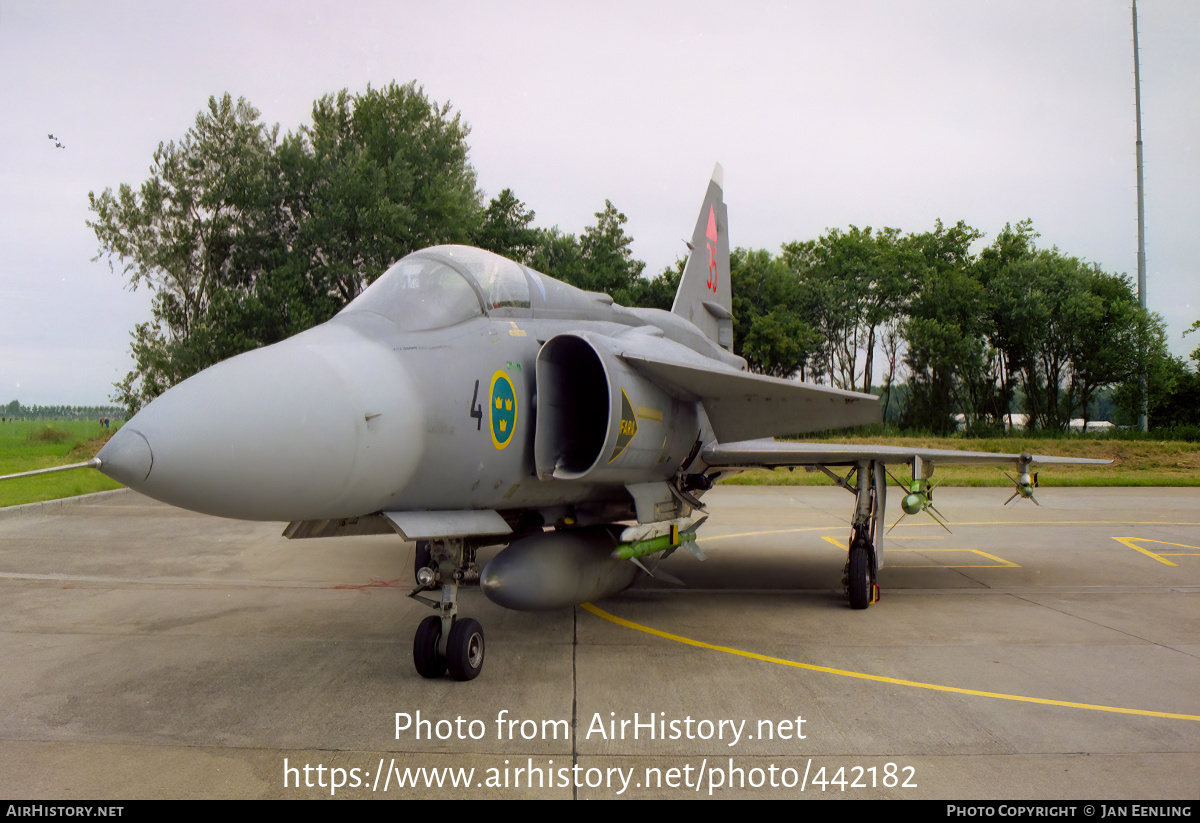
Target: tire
(464,652)
(425,648)
(422,557)
(858,577)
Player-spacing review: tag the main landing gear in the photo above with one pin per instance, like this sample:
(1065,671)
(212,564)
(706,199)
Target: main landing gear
(445,641)
(865,555)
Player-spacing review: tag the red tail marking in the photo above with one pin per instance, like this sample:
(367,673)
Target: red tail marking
(711,233)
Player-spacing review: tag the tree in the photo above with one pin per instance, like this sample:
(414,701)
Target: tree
(601,260)
(1030,293)
(1172,388)
(199,217)
(953,369)
(608,256)
(1066,329)
(200,224)
(770,329)
(1011,244)
(1105,316)
(247,239)
(780,344)
(828,283)
(659,292)
(856,282)
(379,175)
(559,255)
(945,348)
(507,228)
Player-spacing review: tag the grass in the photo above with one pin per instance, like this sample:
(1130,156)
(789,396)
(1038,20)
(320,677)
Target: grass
(37,444)
(1135,462)
(27,445)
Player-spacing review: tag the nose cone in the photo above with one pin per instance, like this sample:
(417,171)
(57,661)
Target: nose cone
(323,425)
(126,457)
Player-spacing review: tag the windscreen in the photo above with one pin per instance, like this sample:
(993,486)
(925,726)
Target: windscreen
(417,294)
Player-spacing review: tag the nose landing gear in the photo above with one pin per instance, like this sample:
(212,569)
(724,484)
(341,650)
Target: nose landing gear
(444,641)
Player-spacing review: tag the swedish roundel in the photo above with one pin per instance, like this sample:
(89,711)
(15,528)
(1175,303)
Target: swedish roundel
(502,409)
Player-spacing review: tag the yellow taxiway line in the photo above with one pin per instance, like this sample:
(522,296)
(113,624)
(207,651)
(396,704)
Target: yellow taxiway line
(628,624)
(1131,541)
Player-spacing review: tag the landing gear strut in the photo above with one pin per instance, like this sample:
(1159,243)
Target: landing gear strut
(443,641)
(865,555)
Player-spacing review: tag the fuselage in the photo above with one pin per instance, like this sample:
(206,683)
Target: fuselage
(420,395)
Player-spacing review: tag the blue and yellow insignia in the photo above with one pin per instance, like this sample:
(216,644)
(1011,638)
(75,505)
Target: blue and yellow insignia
(502,409)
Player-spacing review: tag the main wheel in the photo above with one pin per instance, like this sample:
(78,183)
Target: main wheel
(464,652)
(422,557)
(425,648)
(858,577)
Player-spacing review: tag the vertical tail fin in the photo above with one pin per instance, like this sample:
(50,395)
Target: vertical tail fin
(704,295)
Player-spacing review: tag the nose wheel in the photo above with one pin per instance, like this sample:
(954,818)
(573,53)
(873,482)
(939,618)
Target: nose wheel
(426,658)
(463,656)
(464,649)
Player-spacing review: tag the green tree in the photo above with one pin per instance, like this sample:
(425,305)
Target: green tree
(378,175)
(658,292)
(957,355)
(1030,295)
(608,256)
(945,348)
(1067,329)
(769,316)
(1196,352)
(559,255)
(507,228)
(1105,317)
(780,344)
(203,216)
(856,282)
(1172,388)
(202,223)
(247,239)
(1013,243)
(1175,396)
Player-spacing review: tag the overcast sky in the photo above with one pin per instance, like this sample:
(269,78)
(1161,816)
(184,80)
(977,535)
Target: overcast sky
(823,114)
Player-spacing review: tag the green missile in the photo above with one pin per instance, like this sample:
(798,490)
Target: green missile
(641,548)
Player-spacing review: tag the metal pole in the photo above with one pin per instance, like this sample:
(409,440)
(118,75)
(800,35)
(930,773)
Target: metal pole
(1143,418)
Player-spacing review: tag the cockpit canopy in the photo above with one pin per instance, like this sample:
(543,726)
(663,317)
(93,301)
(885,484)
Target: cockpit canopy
(447,285)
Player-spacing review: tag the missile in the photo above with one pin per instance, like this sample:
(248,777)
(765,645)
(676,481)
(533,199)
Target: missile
(1024,484)
(557,569)
(914,503)
(628,551)
(640,541)
(919,499)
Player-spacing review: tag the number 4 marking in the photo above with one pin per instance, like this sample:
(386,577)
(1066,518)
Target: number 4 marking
(476,409)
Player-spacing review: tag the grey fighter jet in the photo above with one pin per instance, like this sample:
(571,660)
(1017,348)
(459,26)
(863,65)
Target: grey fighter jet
(464,400)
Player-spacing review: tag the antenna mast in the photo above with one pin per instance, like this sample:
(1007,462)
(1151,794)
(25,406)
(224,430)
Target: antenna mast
(1143,419)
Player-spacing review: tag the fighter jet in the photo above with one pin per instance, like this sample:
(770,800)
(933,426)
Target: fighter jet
(464,400)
